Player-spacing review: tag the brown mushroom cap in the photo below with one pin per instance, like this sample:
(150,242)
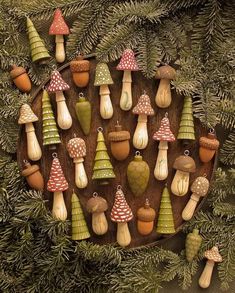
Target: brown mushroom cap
(76,148)
(146,213)
(143,106)
(119,134)
(213,254)
(96,204)
(210,142)
(165,72)
(26,115)
(185,164)
(200,186)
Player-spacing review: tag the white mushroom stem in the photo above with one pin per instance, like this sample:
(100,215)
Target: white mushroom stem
(106,108)
(126,95)
(99,223)
(59,210)
(140,138)
(81,180)
(161,167)
(123,234)
(205,278)
(33,148)
(180,183)
(59,50)
(190,207)
(64,118)
(163,96)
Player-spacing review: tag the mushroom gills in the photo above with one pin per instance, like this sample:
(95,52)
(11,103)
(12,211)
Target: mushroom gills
(123,234)
(163,96)
(59,51)
(180,183)
(126,95)
(161,167)
(33,148)
(80,173)
(99,223)
(140,138)
(64,118)
(59,210)
(106,108)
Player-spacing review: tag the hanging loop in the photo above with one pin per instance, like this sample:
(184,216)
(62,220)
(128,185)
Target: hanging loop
(54,155)
(100,129)
(81,95)
(95,194)
(137,153)
(119,187)
(186,152)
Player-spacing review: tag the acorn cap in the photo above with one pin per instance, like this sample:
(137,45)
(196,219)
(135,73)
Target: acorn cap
(16,71)
(200,186)
(58,26)
(102,75)
(213,254)
(128,61)
(79,64)
(165,72)
(57,83)
(29,169)
(26,115)
(164,133)
(76,148)
(143,106)
(146,213)
(119,134)
(210,142)
(185,164)
(97,204)
(121,212)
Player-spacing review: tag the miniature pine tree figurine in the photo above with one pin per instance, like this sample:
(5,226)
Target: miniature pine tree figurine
(186,130)
(165,223)
(49,128)
(79,226)
(103,168)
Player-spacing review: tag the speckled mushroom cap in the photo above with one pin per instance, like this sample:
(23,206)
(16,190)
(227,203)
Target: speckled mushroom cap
(210,142)
(165,72)
(121,212)
(97,204)
(200,186)
(143,106)
(79,64)
(164,133)
(76,148)
(26,115)
(213,254)
(185,164)
(58,26)
(57,181)
(102,75)
(57,83)
(128,61)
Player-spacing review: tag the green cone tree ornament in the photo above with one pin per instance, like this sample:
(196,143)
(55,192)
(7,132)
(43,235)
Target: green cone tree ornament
(192,244)
(103,169)
(49,127)
(83,111)
(165,223)
(39,53)
(79,226)
(138,175)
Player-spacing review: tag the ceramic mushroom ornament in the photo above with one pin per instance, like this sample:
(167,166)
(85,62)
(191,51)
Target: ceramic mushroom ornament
(77,151)
(58,85)
(143,109)
(121,214)
(164,135)
(59,28)
(27,117)
(127,64)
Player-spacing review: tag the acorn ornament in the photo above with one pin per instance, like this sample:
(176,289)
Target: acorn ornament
(138,175)
(21,78)
(193,244)
(145,219)
(80,71)
(119,142)
(208,146)
(33,176)
(83,111)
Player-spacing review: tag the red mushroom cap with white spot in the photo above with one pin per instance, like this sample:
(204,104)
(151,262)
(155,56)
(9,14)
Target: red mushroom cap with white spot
(58,26)
(128,61)
(76,148)
(164,133)
(143,106)
(57,181)
(57,83)
(121,212)
(213,254)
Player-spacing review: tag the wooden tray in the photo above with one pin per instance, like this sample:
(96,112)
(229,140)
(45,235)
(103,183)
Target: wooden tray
(128,121)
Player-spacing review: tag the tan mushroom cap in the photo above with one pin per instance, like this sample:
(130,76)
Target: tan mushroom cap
(213,254)
(185,164)
(200,186)
(165,72)
(76,148)
(26,115)
(97,204)
(143,106)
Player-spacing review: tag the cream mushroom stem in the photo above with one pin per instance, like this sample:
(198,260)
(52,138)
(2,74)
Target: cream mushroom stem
(205,278)
(59,210)
(33,148)
(140,138)
(59,49)
(99,223)
(180,183)
(163,96)
(123,234)
(161,167)
(81,180)
(64,118)
(126,95)
(190,207)
(106,108)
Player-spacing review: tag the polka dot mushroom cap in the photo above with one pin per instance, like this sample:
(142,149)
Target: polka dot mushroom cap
(57,83)
(200,186)
(58,26)
(57,181)
(143,106)
(121,212)
(128,61)
(76,148)
(164,133)
(213,254)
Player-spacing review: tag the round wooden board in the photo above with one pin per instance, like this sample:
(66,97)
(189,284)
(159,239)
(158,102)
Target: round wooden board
(128,121)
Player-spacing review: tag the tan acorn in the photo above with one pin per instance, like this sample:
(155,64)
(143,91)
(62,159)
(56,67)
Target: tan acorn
(21,78)
(33,176)
(146,216)
(208,146)
(80,71)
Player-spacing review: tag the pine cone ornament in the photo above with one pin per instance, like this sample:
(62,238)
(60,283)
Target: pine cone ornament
(192,245)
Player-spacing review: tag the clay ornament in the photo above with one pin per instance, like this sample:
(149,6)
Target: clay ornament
(208,146)
(33,176)
(83,111)
(80,71)
(20,78)
(145,219)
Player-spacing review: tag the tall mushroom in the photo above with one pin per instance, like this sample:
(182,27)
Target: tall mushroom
(164,135)
(121,214)
(58,85)
(143,109)
(212,256)
(59,28)
(127,64)
(103,79)
(57,184)
(163,97)
(77,150)
(27,117)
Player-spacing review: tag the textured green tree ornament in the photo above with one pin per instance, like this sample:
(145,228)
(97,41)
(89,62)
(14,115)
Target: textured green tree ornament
(165,223)
(103,169)
(49,127)
(83,111)
(39,53)
(79,226)
(138,175)
(192,244)
(186,130)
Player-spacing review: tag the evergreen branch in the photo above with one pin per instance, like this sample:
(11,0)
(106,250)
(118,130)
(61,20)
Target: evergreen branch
(227,153)
(224,210)
(175,5)
(226,115)
(8,135)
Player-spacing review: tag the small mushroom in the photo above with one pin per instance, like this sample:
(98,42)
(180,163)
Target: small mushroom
(33,176)
(58,85)
(121,214)
(208,146)
(77,150)
(97,205)
(146,216)
(127,64)
(212,256)
(59,28)
(20,78)
(27,117)
(199,189)
(143,109)
(163,97)
(103,79)
(164,135)
(184,166)
(80,71)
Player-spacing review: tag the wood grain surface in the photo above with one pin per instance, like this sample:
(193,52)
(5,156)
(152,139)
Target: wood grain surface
(128,121)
